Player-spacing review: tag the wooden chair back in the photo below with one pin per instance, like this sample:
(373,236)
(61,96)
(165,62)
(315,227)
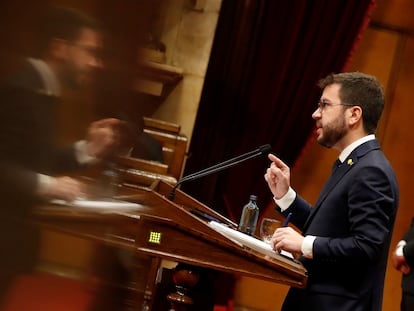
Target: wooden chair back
(174,144)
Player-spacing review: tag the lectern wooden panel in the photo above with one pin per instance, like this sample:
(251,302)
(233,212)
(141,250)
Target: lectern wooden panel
(161,229)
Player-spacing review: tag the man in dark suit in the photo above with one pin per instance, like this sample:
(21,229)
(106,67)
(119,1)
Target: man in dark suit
(346,234)
(32,167)
(403,261)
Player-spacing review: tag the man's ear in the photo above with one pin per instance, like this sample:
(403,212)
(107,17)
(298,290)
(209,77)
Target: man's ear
(58,49)
(355,115)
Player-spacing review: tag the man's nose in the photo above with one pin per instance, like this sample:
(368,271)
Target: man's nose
(316,114)
(96,62)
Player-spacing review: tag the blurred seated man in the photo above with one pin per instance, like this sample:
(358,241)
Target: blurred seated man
(32,167)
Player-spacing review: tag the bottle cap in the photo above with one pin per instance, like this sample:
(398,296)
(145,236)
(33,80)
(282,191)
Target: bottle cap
(253,197)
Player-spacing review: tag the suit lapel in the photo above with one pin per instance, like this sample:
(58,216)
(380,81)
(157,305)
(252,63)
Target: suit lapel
(338,173)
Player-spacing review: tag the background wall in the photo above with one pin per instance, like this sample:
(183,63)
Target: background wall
(188,33)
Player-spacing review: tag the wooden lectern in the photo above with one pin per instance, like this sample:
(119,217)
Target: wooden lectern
(178,231)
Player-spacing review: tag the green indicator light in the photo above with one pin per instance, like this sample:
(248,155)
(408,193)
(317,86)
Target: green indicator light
(155,237)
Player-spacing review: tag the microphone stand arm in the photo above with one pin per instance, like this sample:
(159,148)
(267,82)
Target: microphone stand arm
(214,169)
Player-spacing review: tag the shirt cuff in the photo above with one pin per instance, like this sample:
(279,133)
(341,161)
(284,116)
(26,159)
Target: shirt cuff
(399,251)
(81,152)
(285,201)
(43,183)
(307,246)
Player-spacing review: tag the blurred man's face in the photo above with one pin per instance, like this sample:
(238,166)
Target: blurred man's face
(82,58)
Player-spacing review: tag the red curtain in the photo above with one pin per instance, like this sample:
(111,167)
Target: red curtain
(260,88)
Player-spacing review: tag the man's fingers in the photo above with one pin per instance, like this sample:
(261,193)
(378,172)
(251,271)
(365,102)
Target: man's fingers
(405,269)
(65,188)
(107,122)
(272,157)
(277,162)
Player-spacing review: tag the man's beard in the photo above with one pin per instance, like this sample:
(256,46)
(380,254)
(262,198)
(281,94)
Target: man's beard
(73,79)
(331,134)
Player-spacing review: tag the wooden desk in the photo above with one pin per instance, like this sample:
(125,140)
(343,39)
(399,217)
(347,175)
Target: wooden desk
(161,229)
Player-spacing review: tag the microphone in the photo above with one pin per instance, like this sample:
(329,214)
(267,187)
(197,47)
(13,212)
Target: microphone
(262,150)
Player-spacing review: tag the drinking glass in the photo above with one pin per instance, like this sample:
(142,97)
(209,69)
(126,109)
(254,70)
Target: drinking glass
(268,227)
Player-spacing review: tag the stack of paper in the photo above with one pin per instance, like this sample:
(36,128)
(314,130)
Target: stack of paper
(247,240)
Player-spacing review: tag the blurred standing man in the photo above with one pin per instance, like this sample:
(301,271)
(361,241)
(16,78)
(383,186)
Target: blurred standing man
(345,236)
(30,162)
(403,261)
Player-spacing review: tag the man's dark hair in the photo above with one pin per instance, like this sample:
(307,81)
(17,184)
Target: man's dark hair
(359,89)
(65,24)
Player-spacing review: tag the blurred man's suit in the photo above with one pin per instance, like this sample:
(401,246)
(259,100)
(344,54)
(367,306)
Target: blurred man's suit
(28,103)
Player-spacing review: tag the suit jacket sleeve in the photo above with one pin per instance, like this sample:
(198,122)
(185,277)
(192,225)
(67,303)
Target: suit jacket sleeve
(27,141)
(370,200)
(300,210)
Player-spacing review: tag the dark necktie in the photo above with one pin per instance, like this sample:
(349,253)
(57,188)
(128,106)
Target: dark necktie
(336,164)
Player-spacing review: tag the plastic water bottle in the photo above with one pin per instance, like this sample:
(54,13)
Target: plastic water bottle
(250,214)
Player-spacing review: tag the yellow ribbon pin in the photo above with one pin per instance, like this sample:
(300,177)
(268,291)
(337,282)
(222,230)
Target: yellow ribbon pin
(350,162)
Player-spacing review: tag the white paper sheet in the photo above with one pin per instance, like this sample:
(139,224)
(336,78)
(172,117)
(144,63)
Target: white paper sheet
(247,240)
(99,205)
